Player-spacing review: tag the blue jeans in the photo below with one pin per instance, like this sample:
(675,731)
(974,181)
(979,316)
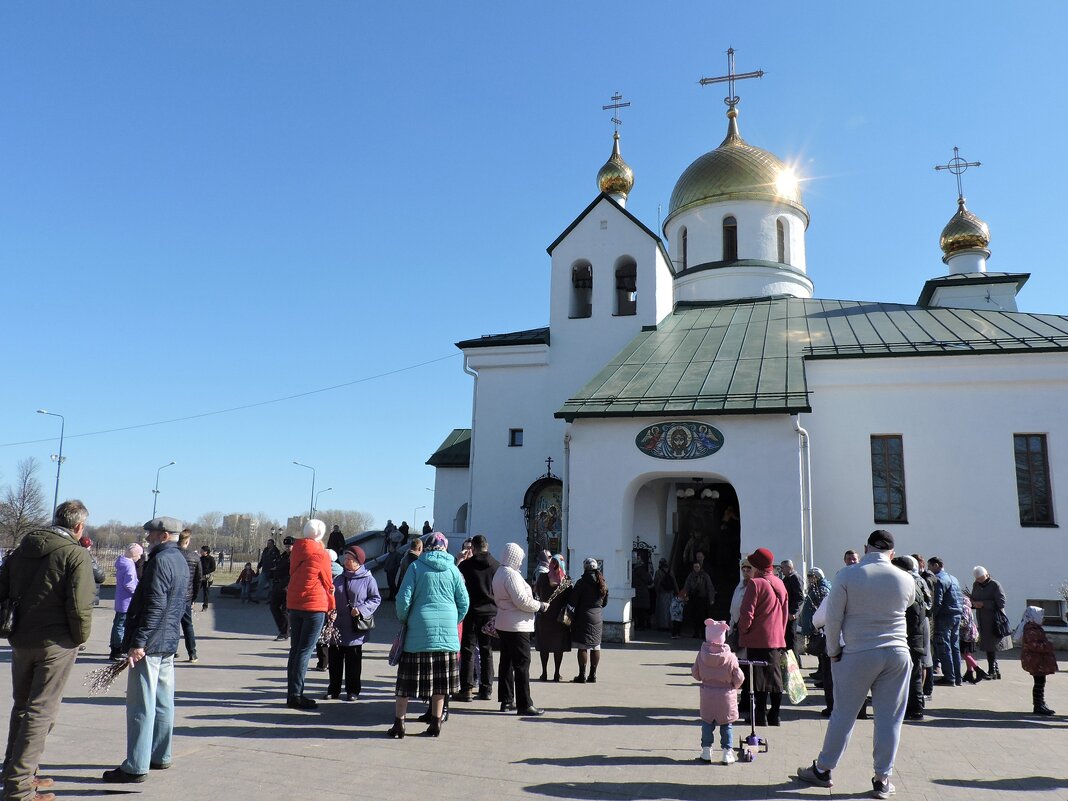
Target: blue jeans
(149,713)
(304,628)
(118,630)
(188,632)
(246,590)
(726,735)
(947,647)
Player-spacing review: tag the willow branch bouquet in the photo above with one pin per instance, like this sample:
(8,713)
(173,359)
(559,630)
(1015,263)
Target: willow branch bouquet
(100,679)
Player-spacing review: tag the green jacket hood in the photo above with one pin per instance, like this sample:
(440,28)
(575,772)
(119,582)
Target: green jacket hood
(41,542)
(436,560)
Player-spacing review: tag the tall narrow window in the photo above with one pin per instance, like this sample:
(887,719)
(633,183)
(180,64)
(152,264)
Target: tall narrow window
(888,478)
(1032,480)
(626,286)
(581,289)
(684,255)
(730,239)
(780,241)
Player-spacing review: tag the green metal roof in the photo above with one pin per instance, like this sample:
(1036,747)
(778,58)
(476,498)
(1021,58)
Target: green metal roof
(747,357)
(455,451)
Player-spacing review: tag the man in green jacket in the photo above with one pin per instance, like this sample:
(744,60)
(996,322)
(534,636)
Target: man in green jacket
(51,577)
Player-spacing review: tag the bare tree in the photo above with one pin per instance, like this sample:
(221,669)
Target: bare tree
(207,528)
(22,508)
(352,521)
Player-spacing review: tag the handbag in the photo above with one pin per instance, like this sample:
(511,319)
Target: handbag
(817,644)
(397,648)
(9,608)
(1002,626)
(489,628)
(363,624)
(565,615)
(792,680)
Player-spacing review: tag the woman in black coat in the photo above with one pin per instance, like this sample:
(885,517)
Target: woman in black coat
(550,633)
(588,598)
(987,598)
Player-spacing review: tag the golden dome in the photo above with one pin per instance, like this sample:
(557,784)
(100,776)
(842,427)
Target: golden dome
(615,177)
(964,231)
(736,171)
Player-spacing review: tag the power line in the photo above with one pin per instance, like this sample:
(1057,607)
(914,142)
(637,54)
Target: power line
(237,408)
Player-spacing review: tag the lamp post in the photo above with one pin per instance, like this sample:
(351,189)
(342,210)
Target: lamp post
(311,506)
(155,492)
(315,506)
(57,459)
(415,514)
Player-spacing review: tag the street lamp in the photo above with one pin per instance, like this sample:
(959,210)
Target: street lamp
(155,492)
(311,507)
(57,459)
(315,506)
(415,514)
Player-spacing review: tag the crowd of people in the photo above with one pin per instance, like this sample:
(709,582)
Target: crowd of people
(886,630)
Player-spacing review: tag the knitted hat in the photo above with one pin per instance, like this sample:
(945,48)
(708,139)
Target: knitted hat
(314,530)
(357,551)
(716,632)
(589,563)
(133,551)
(513,556)
(331,554)
(761,558)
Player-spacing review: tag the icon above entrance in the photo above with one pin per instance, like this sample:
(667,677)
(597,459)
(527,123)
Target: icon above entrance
(684,439)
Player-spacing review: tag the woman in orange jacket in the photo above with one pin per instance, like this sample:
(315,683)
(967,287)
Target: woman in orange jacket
(310,599)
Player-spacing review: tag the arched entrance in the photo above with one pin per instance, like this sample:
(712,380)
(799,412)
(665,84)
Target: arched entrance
(707,522)
(543,512)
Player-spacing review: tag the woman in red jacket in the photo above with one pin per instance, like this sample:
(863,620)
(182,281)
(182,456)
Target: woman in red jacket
(762,631)
(310,598)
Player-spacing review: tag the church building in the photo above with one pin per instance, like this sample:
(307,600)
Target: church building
(691,393)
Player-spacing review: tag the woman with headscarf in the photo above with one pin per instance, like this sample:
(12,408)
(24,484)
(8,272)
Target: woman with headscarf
(588,598)
(125,584)
(309,599)
(987,598)
(551,635)
(1037,657)
(816,590)
(542,567)
(356,596)
(746,570)
(516,606)
(431,602)
(666,588)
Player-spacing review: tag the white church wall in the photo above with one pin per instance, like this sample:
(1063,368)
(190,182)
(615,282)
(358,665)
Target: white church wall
(987,297)
(957,416)
(757,237)
(451,486)
(607,473)
(741,281)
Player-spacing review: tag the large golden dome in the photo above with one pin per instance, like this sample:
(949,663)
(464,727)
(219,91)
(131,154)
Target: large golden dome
(964,231)
(615,177)
(735,171)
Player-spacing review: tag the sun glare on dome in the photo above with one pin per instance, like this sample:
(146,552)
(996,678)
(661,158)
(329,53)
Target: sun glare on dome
(786,183)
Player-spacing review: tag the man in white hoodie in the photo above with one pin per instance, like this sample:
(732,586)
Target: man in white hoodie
(516,607)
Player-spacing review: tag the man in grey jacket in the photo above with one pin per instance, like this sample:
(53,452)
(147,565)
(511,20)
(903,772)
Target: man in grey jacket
(866,611)
(153,624)
(52,579)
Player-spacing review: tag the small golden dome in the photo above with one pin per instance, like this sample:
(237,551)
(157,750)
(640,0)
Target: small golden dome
(615,177)
(964,231)
(735,170)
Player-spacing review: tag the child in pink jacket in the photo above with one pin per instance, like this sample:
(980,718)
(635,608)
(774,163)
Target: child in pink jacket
(717,670)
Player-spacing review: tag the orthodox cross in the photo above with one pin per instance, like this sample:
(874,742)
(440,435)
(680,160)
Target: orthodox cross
(731,99)
(614,106)
(549,463)
(957,165)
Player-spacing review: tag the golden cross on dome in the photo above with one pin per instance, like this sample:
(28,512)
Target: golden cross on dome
(731,99)
(957,166)
(614,106)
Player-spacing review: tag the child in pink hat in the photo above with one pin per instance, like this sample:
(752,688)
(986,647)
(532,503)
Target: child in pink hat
(716,667)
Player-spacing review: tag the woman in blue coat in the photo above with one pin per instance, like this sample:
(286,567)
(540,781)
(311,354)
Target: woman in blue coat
(356,597)
(431,601)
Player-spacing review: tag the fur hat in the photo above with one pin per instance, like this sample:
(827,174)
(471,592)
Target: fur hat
(761,558)
(716,632)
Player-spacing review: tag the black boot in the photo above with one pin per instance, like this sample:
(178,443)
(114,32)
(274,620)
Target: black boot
(397,732)
(1038,695)
(775,700)
(969,677)
(435,727)
(995,671)
(981,674)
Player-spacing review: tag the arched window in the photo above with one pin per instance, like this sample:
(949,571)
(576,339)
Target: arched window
(684,256)
(581,289)
(780,241)
(626,286)
(730,239)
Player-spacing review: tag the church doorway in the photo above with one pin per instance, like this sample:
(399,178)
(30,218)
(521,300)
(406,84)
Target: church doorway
(708,529)
(543,511)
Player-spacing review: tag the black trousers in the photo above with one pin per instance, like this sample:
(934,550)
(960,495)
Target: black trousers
(915,696)
(205,585)
(278,608)
(474,640)
(347,659)
(695,615)
(513,681)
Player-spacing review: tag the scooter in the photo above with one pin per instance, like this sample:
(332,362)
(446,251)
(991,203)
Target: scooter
(752,745)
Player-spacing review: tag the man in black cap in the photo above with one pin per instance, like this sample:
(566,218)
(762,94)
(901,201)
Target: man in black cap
(279,578)
(866,610)
(153,625)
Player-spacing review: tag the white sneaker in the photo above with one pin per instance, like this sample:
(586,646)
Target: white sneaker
(729,756)
(706,754)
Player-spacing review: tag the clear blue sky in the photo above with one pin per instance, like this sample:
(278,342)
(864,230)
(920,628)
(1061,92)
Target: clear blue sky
(205,205)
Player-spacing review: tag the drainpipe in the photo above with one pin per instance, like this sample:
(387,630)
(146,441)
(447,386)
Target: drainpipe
(471,461)
(564,523)
(805,468)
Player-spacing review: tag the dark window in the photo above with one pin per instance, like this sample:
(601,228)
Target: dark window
(780,241)
(730,239)
(582,290)
(515,438)
(1032,480)
(888,478)
(626,287)
(684,248)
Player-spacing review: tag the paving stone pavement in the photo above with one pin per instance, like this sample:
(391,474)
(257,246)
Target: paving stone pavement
(632,735)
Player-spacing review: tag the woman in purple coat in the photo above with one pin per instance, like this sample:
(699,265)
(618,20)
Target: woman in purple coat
(125,584)
(357,598)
